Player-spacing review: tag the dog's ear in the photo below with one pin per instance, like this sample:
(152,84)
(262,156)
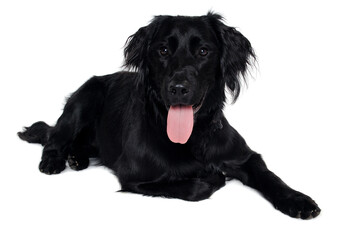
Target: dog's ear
(136,49)
(236,54)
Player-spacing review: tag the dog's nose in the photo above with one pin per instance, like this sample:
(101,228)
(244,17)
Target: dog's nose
(178,90)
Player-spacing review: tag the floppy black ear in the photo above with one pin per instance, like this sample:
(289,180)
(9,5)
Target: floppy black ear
(136,49)
(236,54)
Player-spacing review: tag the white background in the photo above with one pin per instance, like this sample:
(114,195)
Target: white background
(301,111)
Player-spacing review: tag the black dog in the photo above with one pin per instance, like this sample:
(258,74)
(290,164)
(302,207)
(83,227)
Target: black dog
(161,129)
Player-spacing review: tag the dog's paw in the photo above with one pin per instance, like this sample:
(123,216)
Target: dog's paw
(297,205)
(50,164)
(51,167)
(77,164)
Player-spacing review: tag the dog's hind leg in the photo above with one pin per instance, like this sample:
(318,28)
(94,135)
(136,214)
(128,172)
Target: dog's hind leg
(82,149)
(66,140)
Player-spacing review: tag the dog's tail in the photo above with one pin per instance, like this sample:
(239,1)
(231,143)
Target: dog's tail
(36,133)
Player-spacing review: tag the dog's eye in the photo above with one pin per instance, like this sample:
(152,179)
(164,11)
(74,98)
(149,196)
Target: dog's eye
(164,51)
(203,52)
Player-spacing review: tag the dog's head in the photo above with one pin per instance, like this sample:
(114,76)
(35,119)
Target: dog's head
(188,62)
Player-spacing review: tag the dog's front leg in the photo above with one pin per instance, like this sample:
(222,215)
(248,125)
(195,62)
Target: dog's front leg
(191,189)
(248,167)
(255,174)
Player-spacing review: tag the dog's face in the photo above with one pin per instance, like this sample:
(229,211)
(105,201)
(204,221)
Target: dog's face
(184,61)
(187,62)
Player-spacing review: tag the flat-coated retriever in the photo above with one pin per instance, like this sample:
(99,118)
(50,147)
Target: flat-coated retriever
(161,128)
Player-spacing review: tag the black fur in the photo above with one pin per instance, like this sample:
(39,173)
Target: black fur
(121,118)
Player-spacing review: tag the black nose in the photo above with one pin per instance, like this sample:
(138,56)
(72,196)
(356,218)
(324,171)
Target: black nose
(178,90)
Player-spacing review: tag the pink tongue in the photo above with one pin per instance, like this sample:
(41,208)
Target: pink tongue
(180,123)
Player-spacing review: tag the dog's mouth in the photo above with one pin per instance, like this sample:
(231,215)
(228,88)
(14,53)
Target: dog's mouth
(196,107)
(180,121)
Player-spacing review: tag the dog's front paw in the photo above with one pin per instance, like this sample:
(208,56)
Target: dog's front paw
(297,205)
(51,164)
(76,163)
